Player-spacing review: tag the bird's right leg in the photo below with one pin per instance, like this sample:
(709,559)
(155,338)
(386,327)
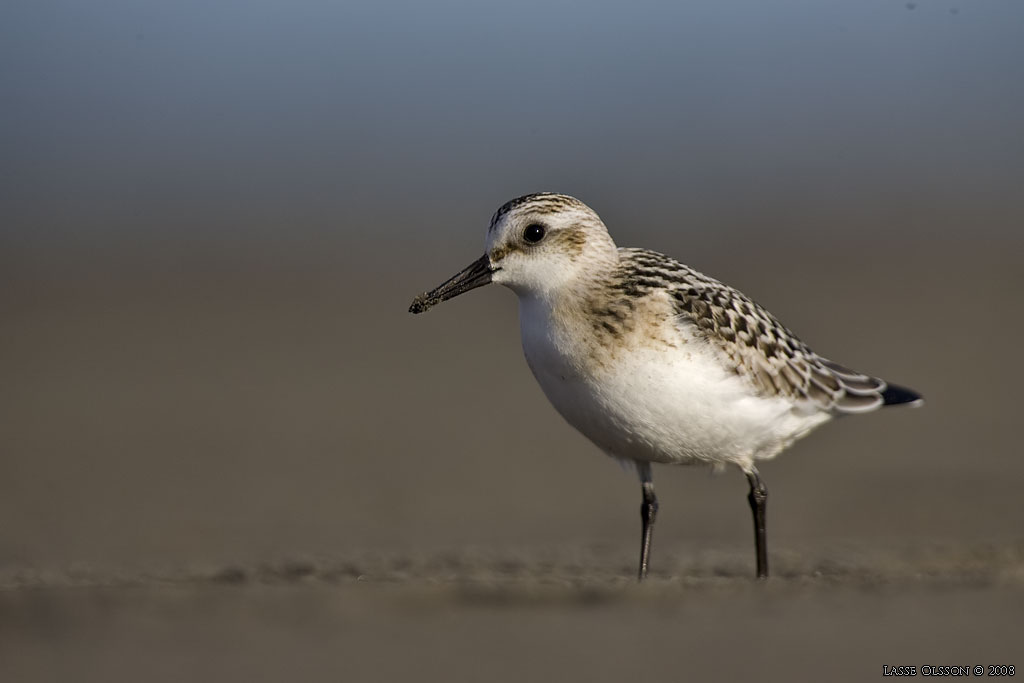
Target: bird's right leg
(758,497)
(648,510)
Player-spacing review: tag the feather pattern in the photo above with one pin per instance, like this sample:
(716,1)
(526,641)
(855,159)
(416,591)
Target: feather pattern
(773,359)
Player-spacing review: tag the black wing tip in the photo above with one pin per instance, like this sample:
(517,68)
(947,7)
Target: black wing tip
(896,395)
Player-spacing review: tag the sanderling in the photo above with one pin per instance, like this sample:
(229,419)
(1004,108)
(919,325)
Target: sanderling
(653,361)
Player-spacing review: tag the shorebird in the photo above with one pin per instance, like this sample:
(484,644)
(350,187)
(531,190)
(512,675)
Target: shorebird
(653,361)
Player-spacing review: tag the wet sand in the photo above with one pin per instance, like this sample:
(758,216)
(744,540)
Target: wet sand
(481,616)
(246,469)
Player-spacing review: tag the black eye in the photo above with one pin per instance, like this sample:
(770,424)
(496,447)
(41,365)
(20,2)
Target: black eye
(534,233)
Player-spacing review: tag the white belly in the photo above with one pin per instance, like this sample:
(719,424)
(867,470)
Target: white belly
(658,404)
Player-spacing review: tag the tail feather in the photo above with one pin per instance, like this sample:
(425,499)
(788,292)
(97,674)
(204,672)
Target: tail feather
(895,394)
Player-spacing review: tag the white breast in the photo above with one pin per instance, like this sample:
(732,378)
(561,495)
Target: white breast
(656,403)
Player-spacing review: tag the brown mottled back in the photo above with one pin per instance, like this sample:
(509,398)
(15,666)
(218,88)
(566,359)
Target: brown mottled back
(774,359)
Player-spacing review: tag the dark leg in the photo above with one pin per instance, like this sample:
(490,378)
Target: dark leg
(758,497)
(648,510)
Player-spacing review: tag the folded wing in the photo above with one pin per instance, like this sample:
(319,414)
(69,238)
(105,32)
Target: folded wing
(759,346)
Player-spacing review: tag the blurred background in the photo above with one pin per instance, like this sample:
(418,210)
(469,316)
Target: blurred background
(213,217)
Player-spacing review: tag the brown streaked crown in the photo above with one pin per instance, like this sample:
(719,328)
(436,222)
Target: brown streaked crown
(538,203)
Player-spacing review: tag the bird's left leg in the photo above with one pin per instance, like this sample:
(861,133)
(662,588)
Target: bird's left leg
(758,497)
(648,510)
